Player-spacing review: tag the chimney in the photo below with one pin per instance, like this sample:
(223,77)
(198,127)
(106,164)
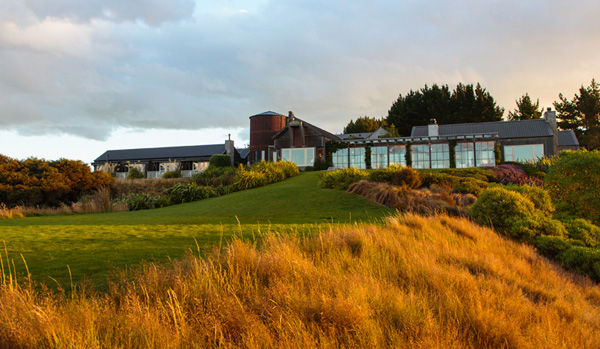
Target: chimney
(230,150)
(550,117)
(433,128)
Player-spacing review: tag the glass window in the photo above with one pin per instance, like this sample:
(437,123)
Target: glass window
(398,155)
(262,155)
(357,158)
(440,156)
(465,155)
(299,156)
(420,156)
(523,153)
(379,157)
(484,153)
(340,158)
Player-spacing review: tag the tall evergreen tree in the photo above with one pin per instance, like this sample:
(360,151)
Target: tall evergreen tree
(465,104)
(364,124)
(582,115)
(526,110)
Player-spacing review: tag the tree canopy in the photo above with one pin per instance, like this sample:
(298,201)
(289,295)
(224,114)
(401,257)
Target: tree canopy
(582,115)
(467,103)
(526,110)
(364,124)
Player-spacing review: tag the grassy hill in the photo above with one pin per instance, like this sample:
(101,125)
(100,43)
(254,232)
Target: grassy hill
(434,282)
(92,245)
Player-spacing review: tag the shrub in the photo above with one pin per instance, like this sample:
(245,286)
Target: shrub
(250,179)
(341,179)
(141,201)
(513,174)
(220,160)
(498,207)
(540,198)
(172,174)
(181,193)
(407,177)
(584,231)
(384,174)
(135,173)
(551,246)
(583,260)
(215,176)
(574,184)
(527,227)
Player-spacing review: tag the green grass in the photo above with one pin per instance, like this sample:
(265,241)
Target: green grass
(93,245)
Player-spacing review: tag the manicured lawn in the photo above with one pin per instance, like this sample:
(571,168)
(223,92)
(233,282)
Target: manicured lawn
(92,245)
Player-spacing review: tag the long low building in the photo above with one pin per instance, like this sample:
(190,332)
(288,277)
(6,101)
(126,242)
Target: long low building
(155,162)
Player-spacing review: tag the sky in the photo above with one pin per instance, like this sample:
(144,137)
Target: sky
(81,77)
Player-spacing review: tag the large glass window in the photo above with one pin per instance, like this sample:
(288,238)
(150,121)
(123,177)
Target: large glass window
(379,157)
(299,156)
(340,158)
(440,156)
(523,153)
(398,155)
(357,158)
(420,156)
(465,155)
(484,153)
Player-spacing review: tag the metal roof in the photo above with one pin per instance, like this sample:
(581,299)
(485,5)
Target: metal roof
(362,135)
(268,113)
(567,138)
(505,129)
(243,152)
(165,153)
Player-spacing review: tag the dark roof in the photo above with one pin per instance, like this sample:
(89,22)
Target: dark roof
(362,135)
(144,154)
(268,113)
(567,138)
(505,129)
(318,130)
(243,152)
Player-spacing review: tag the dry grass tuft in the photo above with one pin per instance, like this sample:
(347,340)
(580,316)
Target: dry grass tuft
(413,282)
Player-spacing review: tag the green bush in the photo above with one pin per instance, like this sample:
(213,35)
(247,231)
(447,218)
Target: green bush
(135,173)
(341,179)
(551,246)
(574,184)
(540,198)
(250,179)
(215,176)
(141,201)
(527,227)
(172,174)
(584,260)
(181,193)
(384,175)
(468,182)
(499,208)
(584,231)
(220,160)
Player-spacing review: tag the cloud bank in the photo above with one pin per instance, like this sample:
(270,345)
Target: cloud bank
(88,68)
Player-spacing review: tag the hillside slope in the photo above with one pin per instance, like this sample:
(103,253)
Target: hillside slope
(414,282)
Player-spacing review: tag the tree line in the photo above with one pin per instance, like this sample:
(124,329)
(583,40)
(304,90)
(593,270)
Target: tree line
(473,103)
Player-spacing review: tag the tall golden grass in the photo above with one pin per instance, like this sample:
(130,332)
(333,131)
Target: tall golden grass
(434,282)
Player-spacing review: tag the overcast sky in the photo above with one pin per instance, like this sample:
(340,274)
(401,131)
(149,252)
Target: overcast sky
(79,77)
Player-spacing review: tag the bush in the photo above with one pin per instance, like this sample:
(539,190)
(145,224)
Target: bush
(574,184)
(215,176)
(250,179)
(220,160)
(498,207)
(407,177)
(584,231)
(135,173)
(527,227)
(583,260)
(462,184)
(141,201)
(172,174)
(384,175)
(181,193)
(341,179)
(551,246)
(540,198)
(513,174)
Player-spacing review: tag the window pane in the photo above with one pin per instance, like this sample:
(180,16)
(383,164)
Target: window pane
(484,153)
(310,156)
(379,157)
(357,158)
(465,155)
(398,155)
(298,156)
(420,156)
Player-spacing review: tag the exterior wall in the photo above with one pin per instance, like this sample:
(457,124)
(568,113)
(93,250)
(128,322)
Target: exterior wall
(262,130)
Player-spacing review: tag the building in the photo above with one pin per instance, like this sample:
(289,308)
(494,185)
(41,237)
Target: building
(155,162)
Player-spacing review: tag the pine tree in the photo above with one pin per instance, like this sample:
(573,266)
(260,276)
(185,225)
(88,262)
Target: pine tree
(526,110)
(582,115)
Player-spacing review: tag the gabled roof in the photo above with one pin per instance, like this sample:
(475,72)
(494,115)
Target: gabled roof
(190,152)
(567,138)
(316,129)
(505,129)
(243,152)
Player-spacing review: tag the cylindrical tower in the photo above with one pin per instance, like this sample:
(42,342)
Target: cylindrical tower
(263,127)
